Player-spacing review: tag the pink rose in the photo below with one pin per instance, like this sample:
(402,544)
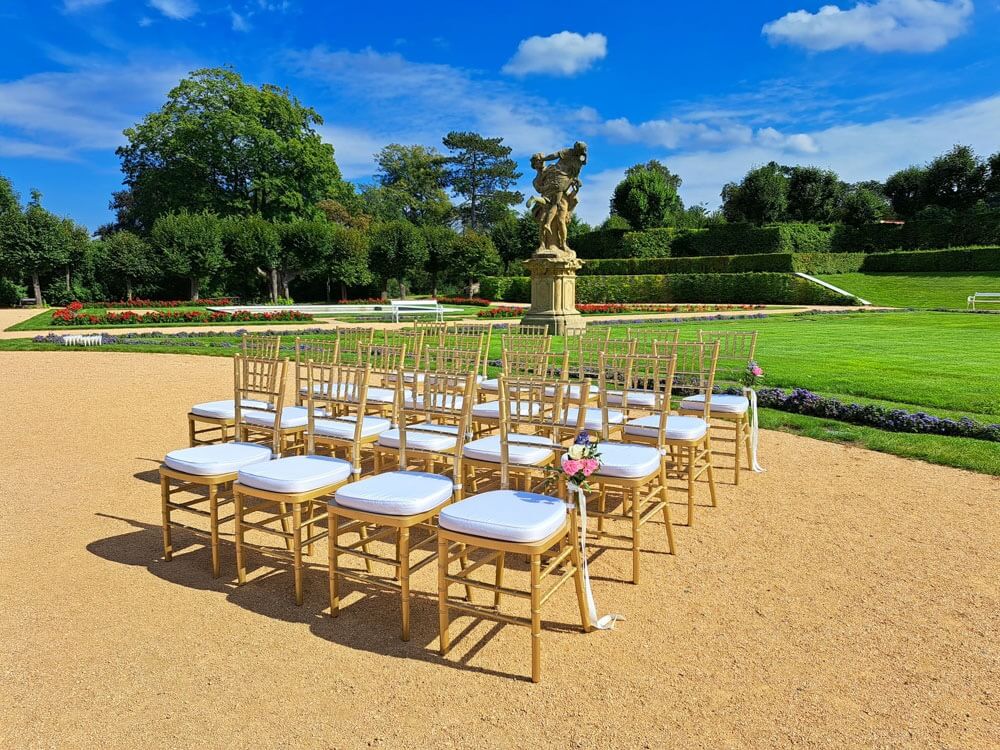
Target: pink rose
(571,466)
(757,371)
(590,465)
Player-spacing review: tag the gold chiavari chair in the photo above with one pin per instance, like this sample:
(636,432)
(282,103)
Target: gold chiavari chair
(729,411)
(647,337)
(396,506)
(320,352)
(386,361)
(636,473)
(220,416)
(461,335)
(349,339)
(527,330)
(261,383)
(687,437)
(503,522)
(517,364)
(521,343)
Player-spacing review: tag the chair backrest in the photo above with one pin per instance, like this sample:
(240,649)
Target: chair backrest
(259,380)
(517,364)
(645,385)
(583,352)
(523,330)
(694,373)
(647,338)
(462,335)
(526,343)
(324,352)
(349,338)
(338,388)
(261,347)
(411,339)
(433,331)
(736,348)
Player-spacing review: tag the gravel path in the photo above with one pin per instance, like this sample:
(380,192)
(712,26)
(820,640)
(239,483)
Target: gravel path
(842,599)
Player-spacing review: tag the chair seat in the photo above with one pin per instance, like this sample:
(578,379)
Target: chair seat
(396,493)
(225,409)
(505,515)
(221,458)
(488,449)
(439,401)
(572,392)
(408,377)
(678,428)
(628,460)
(491,409)
(343,427)
(291,417)
(721,403)
(593,419)
(425,436)
(635,398)
(295,474)
(338,390)
(490,384)
(379,396)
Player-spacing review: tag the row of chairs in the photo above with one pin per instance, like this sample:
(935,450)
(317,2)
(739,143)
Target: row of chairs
(429,428)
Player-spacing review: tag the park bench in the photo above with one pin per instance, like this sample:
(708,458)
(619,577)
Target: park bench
(402,307)
(988,298)
(27,302)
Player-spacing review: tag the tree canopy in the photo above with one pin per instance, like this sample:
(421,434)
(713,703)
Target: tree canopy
(647,196)
(480,170)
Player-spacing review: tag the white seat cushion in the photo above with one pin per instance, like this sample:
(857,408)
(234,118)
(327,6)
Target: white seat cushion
(339,390)
(635,398)
(723,403)
(379,396)
(396,493)
(628,460)
(296,474)
(488,449)
(225,409)
(507,515)
(291,417)
(678,428)
(343,427)
(408,377)
(425,436)
(572,392)
(490,384)
(594,419)
(491,409)
(222,458)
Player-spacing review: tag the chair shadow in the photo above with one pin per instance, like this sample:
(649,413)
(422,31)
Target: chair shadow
(371,623)
(150,475)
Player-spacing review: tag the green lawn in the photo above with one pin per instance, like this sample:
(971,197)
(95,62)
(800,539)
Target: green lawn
(920,290)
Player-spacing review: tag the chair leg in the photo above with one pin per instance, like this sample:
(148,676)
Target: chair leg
(602,506)
(666,508)
(690,478)
(297,551)
(498,580)
(708,462)
(191,436)
(635,535)
(536,619)
(333,521)
(443,593)
(213,511)
(404,578)
(575,558)
(363,533)
(283,509)
(463,560)
(748,438)
(168,547)
(241,570)
(739,440)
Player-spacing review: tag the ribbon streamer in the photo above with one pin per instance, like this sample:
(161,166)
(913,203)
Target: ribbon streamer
(608,621)
(751,394)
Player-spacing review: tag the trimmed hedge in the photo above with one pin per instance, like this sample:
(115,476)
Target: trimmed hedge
(601,243)
(933,227)
(957,259)
(734,288)
(776,262)
(813,263)
(651,243)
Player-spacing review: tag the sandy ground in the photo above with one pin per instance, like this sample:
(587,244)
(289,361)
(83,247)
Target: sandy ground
(842,599)
(10,317)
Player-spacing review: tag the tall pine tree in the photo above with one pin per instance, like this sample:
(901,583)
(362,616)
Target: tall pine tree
(480,170)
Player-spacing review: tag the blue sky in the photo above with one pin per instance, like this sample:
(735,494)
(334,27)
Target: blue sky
(709,88)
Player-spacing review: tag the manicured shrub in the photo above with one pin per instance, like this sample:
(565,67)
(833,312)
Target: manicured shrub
(601,243)
(776,262)
(506,288)
(11,293)
(817,263)
(651,243)
(805,238)
(955,260)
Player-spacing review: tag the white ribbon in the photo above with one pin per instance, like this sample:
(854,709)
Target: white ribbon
(608,621)
(751,394)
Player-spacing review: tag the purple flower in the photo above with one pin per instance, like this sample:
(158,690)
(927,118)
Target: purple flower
(583,438)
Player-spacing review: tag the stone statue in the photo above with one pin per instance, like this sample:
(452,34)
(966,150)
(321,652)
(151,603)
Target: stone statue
(558,185)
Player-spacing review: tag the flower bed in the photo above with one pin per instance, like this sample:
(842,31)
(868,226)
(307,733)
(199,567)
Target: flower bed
(137,304)
(71,316)
(613,308)
(802,401)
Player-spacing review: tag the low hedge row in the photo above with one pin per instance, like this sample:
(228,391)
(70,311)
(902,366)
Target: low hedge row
(734,288)
(777,262)
(956,259)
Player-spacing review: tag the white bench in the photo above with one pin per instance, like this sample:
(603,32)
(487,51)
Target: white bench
(989,298)
(401,307)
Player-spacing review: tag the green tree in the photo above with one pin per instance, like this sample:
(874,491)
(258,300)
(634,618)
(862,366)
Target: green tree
(472,257)
(440,243)
(128,257)
(761,197)
(304,247)
(9,199)
(515,238)
(905,191)
(346,259)
(397,249)
(253,246)
(814,194)
(416,178)
(191,246)
(862,205)
(221,145)
(647,196)
(35,243)
(480,170)
(955,180)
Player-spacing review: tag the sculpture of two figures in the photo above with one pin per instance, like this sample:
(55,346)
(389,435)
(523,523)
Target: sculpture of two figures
(558,185)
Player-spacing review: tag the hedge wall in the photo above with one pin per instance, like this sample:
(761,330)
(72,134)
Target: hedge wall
(954,260)
(651,243)
(601,243)
(709,264)
(814,263)
(931,228)
(733,288)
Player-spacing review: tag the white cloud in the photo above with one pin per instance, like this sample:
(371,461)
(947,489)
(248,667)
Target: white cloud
(14,148)
(354,149)
(564,54)
(72,6)
(179,10)
(883,26)
(239,22)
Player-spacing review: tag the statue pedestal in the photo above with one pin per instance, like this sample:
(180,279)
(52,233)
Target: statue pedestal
(553,294)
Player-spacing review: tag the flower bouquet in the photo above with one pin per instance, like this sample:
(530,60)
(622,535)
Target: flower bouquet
(752,375)
(580,461)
